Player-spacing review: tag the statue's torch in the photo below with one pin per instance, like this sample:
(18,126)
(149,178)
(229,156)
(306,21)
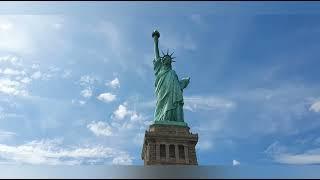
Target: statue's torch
(156,36)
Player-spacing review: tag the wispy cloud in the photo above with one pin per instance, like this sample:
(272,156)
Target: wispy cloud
(308,157)
(128,117)
(194,103)
(66,73)
(107,97)
(115,83)
(26,80)
(13,72)
(4,135)
(87,93)
(235,163)
(100,128)
(36,75)
(82,102)
(78,102)
(281,154)
(51,152)
(198,102)
(123,159)
(87,82)
(14,60)
(12,87)
(315,106)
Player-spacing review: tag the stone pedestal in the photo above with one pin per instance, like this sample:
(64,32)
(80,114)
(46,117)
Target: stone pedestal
(169,145)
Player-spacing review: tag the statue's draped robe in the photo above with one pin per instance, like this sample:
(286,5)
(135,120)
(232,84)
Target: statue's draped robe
(168,90)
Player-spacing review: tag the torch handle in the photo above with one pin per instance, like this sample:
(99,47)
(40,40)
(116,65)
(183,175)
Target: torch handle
(156,36)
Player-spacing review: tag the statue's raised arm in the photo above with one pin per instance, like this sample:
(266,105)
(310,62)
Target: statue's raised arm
(156,36)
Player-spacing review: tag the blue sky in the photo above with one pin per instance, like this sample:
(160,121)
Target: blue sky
(76,80)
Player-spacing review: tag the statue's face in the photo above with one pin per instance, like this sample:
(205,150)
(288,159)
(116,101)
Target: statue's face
(167,60)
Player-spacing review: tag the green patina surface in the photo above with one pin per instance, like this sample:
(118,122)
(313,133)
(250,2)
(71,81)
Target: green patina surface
(168,88)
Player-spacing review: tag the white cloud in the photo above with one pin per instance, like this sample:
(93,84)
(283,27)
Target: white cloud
(235,163)
(87,80)
(100,128)
(11,87)
(280,153)
(130,119)
(87,93)
(122,112)
(51,72)
(148,123)
(304,158)
(207,103)
(54,69)
(136,117)
(123,159)
(50,152)
(26,80)
(36,75)
(11,59)
(79,102)
(311,156)
(114,83)
(275,148)
(315,106)
(106,97)
(13,72)
(87,83)
(82,102)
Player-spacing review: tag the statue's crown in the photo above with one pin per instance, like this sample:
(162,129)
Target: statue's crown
(167,55)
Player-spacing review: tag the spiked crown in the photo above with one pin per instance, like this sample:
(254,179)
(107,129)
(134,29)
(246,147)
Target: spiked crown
(167,55)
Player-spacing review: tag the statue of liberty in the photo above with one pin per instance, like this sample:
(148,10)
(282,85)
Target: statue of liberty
(168,88)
